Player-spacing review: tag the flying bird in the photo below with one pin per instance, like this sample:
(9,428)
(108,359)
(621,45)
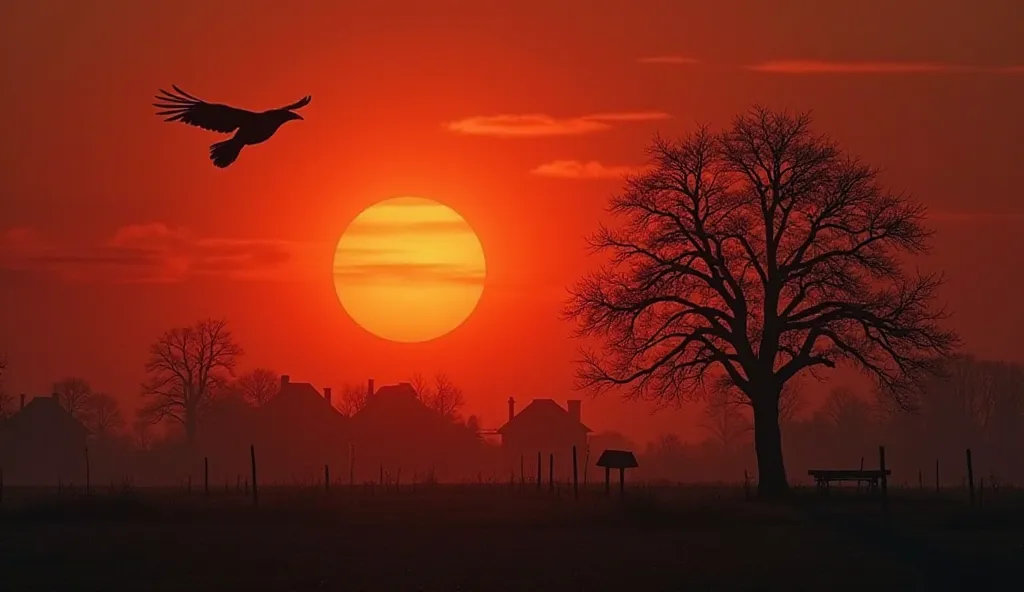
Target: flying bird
(249,127)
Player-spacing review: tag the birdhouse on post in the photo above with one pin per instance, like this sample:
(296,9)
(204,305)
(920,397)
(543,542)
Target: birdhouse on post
(616,459)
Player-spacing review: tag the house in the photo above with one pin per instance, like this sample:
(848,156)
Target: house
(395,431)
(547,428)
(299,431)
(42,444)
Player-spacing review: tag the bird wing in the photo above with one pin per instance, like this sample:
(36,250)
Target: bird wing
(298,104)
(183,107)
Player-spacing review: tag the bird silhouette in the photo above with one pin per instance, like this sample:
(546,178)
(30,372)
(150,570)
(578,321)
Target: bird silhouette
(252,127)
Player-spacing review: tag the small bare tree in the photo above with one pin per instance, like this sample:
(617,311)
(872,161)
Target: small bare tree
(186,367)
(725,419)
(74,395)
(103,415)
(142,431)
(353,399)
(443,396)
(259,385)
(759,253)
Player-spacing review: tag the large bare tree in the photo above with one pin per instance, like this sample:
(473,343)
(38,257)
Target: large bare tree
(186,367)
(757,253)
(259,385)
(74,395)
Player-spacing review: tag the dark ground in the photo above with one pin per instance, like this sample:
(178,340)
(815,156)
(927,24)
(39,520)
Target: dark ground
(489,538)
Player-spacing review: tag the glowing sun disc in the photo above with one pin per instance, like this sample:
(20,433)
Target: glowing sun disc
(409,269)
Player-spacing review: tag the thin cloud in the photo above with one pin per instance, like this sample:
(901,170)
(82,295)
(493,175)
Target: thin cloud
(442,273)
(857,67)
(669,59)
(405,227)
(1012,70)
(534,125)
(152,252)
(575,169)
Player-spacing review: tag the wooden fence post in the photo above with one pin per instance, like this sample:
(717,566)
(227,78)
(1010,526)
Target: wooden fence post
(885,480)
(861,468)
(575,476)
(255,487)
(327,478)
(551,471)
(970,476)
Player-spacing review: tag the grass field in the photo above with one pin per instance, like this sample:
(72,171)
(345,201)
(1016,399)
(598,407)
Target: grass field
(488,537)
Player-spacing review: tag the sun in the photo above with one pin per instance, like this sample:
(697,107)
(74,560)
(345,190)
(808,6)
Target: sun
(409,269)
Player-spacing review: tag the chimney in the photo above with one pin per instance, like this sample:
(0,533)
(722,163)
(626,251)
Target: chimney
(22,400)
(285,379)
(511,408)
(327,394)
(369,388)
(574,409)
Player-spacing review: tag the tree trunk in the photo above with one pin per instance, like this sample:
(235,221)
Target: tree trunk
(771,472)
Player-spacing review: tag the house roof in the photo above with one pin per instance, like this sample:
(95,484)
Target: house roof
(397,407)
(301,397)
(45,413)
(546,413)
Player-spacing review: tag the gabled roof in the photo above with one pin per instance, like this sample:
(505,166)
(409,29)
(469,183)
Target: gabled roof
(45,413)
(299,397)
(543,414)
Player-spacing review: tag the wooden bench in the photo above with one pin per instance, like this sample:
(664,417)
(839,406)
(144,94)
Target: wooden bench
(824,477)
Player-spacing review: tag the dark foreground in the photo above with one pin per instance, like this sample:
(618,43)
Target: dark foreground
(489,538)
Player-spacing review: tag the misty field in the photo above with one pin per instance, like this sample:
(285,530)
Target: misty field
(491,537)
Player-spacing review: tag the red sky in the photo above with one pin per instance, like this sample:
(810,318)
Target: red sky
(521,118)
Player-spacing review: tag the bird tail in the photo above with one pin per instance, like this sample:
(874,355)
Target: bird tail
(224,153)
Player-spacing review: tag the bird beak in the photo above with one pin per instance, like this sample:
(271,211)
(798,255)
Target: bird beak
(297,116)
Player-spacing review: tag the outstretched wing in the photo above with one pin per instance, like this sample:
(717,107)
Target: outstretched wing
(183,107)
(298,104)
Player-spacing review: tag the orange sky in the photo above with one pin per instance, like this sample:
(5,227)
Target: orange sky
(114,226)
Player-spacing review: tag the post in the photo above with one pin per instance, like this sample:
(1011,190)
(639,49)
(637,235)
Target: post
(936,476)
(861,468)
(746,485)
(622,481)
(575,476)
(538,471)
(607,480)
(551,471)
(88,475)
(885,481)
(970,476)
(327,478)
(255,487)
(206,476)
